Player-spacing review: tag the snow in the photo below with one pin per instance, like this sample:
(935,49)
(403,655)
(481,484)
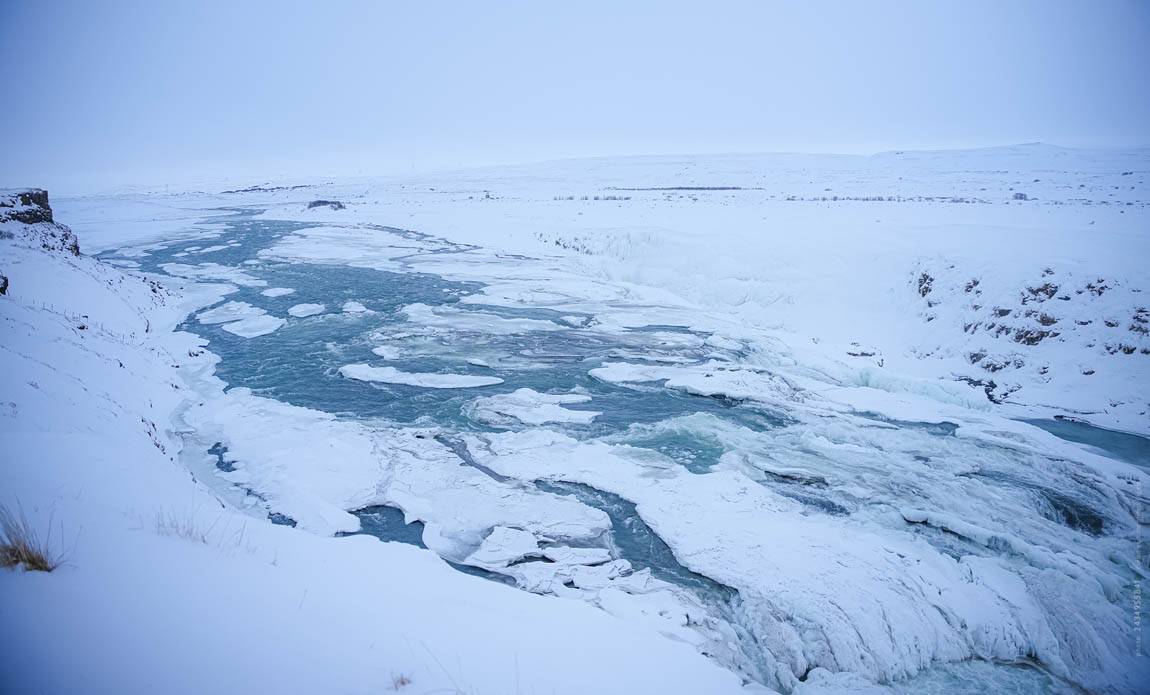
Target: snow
(391,375)
(304,310)
(886,516)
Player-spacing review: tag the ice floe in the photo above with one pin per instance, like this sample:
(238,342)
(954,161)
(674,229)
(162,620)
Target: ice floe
(242,319)
(229,311)
(529,407)
(710,379)
(213,271)
(304,310)
(254,326)
(277,291)
(451,318)
(387,352)
(391,375)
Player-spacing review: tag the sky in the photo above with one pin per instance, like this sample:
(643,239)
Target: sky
(98,95)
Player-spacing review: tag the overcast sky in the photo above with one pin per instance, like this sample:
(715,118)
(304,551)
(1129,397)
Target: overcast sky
(100,94)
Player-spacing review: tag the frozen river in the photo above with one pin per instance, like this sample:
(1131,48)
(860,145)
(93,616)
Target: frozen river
(671,475)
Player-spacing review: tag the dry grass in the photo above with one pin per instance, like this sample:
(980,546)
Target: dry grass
(21,545)
(182,526)
(187,525)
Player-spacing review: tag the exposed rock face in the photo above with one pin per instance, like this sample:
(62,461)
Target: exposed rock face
(29,207)
(333,204)
(26,217)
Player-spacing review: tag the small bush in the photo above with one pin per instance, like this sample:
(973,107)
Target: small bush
(20,545)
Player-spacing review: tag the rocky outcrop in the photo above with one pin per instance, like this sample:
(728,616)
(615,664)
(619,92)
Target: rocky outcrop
(26,218)
(30,206)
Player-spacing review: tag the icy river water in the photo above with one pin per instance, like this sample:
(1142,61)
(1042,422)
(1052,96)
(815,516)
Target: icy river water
(548,352)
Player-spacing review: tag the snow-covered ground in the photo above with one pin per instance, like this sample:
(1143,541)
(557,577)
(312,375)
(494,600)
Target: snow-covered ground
(802,374)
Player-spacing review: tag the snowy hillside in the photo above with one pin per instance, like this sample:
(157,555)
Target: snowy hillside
(656,424)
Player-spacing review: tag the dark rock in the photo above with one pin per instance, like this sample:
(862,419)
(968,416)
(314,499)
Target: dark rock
(925,283)
(30,207)
(1041,293)
(1031,337)
(3,285)
(333,204)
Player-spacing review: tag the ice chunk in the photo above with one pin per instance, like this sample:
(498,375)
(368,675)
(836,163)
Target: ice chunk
(504,546)
(231,311)
(277,291)
(709,379)
(387,352)
(478,321)
(529,407)
(301,310)
(255,326)
(213,271)
(391,375)
(354,308)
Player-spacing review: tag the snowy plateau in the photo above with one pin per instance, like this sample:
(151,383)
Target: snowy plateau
(727,424)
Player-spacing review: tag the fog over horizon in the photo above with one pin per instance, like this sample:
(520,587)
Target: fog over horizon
(131,93)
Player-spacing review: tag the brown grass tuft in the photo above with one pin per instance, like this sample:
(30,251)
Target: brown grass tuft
(20,545)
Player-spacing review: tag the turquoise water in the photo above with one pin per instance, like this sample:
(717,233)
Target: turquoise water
(298,363)
(1123,446)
